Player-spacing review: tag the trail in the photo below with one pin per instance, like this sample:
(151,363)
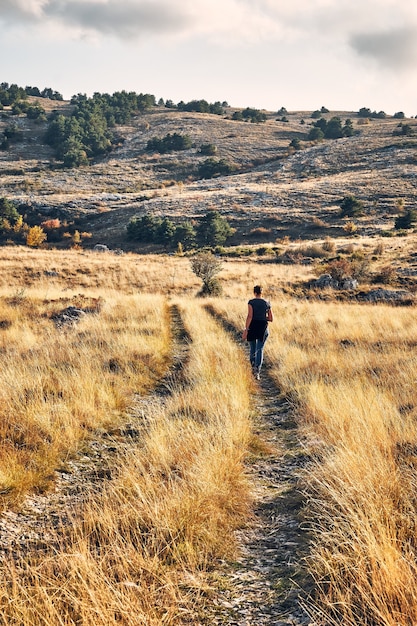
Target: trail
(33,526)
(269,584)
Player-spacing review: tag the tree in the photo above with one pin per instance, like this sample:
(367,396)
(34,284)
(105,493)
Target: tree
(406,220)
(35,237)
(206,267)
(316,134)
(334,128)
(351,206)
(9,215)
(214,167)
(185,235)
(165,232)
(213,229)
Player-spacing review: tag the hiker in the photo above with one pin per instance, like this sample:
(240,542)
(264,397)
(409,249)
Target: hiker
(256,328)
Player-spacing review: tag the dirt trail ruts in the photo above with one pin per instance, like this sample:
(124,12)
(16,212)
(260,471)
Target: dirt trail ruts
(34,525)
(269,585)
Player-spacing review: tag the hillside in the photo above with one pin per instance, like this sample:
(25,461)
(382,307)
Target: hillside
(283,191)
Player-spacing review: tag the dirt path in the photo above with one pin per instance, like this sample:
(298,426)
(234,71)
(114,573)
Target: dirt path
(269,584)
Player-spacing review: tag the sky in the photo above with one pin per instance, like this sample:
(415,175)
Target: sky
(267,54)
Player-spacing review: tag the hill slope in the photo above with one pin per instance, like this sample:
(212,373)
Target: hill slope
(285,192)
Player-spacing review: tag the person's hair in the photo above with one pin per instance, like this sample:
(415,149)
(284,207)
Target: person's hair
(257,289)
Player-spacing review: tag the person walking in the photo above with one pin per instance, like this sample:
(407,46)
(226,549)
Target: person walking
(256,328)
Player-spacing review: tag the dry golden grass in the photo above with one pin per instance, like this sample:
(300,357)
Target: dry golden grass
(57,385)
(351,371)
(137,553)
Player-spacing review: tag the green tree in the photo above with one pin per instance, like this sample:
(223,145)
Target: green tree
(165,232)
(351,206)
(9,215)
(214,167)
(185,235)
(406,220)
(213,230)
(316,134)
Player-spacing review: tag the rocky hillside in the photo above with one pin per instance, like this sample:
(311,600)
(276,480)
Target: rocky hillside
(273,191)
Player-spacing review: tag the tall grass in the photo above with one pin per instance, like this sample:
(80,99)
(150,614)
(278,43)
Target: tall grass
(351,373)
(57,385)
(137,552)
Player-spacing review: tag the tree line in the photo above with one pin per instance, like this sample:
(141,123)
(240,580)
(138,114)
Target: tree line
(210,230)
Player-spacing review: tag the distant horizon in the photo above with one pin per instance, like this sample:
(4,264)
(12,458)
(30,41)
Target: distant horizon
(229,104)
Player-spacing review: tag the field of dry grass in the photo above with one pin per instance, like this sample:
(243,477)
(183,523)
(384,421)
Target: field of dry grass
(138,550)
(351,372)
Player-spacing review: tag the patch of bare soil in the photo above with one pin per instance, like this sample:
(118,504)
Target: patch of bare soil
(268,584)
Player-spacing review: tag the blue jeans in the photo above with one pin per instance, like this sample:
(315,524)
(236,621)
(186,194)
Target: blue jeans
(256,355)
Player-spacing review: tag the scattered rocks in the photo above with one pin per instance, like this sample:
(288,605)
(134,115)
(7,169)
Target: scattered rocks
(326,281)
(387,295)
(68,317)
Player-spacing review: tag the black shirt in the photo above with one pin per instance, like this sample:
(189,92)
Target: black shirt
(259,322)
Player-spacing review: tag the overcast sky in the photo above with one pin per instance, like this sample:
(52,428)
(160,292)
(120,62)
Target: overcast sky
(301,54)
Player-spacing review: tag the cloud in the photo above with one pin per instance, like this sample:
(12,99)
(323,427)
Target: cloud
(123,18)
(394,49)
(367,26)
(15,11)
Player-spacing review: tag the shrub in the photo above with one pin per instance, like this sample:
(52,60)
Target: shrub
(213,229)
(350,228)
(387,275)
(351,206)
(214,167)
(329,245)
(206,267)
(406,220)
(169,143)
(35,237)
(208,149)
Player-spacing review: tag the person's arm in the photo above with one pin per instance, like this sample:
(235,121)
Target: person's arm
(248,321)
(270,315)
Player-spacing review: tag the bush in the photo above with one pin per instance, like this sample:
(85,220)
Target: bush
(351,206)
(169,143)
(213,230)
(206,267)
(208,149)
(406,220)
(387,275)
(214,167)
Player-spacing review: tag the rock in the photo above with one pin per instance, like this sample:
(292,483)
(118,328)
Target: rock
(387,295)
(68,317)
(349,283)
(325,281)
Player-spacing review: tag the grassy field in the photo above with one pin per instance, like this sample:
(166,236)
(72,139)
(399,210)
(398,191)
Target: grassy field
(138,551)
